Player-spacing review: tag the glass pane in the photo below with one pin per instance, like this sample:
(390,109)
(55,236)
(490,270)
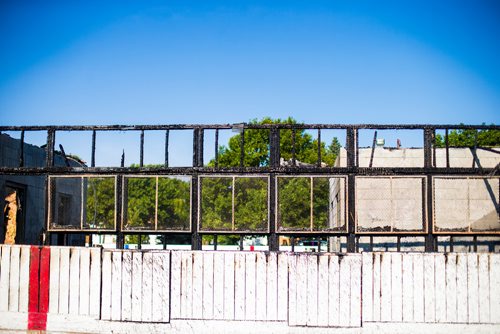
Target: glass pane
(251,208)
(216,203)
(139,204)
(99,198)
(174,198)
(294,203)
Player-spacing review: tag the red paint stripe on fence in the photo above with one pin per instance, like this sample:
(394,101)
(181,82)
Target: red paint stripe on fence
(39,288)
(34,269)
(43,305)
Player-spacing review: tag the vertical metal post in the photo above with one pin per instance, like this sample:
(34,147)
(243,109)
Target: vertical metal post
(51,139)
(242,148)
(294,158)
(21,150)
(351,186)
(201,136)
(215,241)
(430,238)
(216,148)
(141,161)
(319,148)
(434,148)
(274,143)
(447,144)
(167,133)
(92,158)
(356,143)
(195,236)
(121,190)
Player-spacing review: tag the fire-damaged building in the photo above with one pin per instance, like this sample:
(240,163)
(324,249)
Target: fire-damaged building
(24,209)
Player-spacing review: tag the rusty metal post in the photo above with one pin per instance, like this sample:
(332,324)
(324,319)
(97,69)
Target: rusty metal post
(197,162)
(21,150)
(274,160)
(49,149)
(430,238)
(351,140)
(92,158)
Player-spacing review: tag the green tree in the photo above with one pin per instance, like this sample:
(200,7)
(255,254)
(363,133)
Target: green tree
(100,202)
(470,138)
(251,210)
(256,146)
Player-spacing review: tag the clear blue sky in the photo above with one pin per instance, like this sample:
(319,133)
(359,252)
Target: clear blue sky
(163,62)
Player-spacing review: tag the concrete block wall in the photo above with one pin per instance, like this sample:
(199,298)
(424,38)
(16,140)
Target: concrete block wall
(414,157)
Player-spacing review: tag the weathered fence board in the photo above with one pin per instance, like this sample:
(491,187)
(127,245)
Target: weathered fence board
(312,290)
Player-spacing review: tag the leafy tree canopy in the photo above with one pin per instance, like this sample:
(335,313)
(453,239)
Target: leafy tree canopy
(250,197)
(256,146)
(470,138)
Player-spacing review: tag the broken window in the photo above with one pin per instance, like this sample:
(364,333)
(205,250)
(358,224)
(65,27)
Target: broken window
(82,202)
(157,203)
(311,203)
(466,204)
(390,204)
(233,203)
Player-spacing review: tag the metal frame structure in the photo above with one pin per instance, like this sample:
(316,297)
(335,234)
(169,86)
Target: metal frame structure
(352,169)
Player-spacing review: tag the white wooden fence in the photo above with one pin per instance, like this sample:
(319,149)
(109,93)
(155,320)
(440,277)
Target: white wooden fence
(307,290)
(431,288)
